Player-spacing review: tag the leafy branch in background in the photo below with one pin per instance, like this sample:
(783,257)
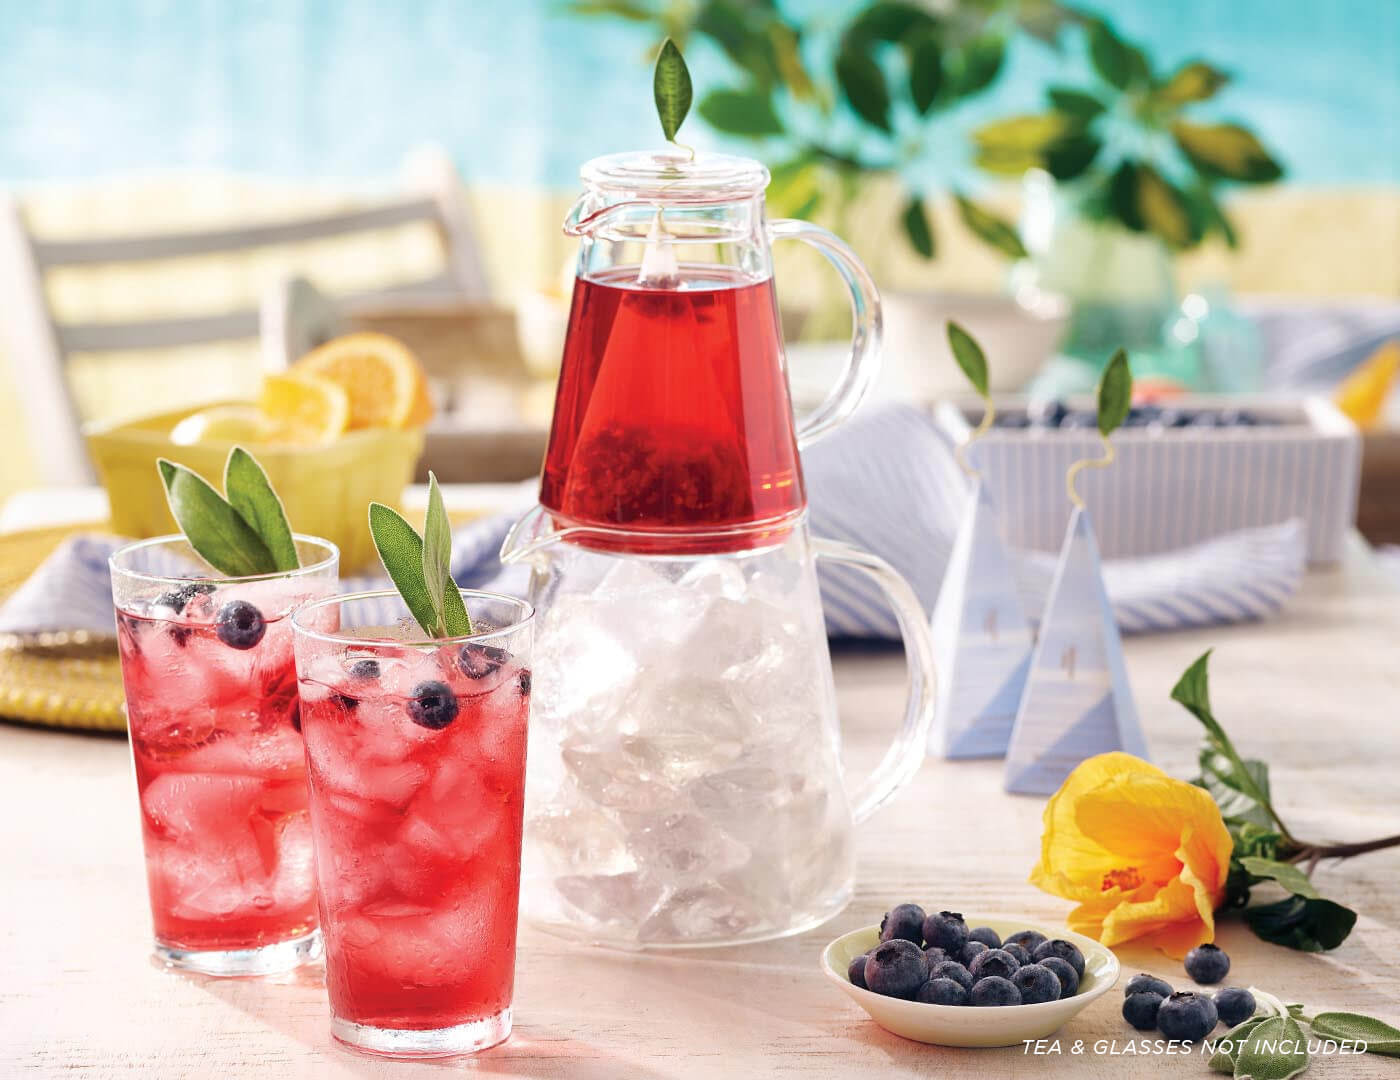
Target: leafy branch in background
(1265,848)
(865,110)
(1128,139)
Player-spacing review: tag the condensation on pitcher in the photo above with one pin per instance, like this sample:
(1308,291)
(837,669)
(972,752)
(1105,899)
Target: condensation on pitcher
(660,269)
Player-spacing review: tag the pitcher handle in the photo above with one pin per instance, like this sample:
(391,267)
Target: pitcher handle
(906,753)
(863,365)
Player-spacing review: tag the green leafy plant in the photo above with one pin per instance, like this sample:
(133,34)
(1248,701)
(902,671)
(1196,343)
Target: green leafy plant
(1131,144)
(419,566)
(1272,1044)
(1266,850)
(241,533)
(866,108)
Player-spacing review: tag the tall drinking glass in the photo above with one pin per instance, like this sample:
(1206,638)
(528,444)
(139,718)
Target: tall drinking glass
(416,752)
(211,704)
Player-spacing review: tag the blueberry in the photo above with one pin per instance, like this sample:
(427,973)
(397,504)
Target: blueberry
(1020,952)
(971,949)
(934,955)
(1207,964)
(346,702)
(946,930)
(942,992)
(296,717)
(951,969)
(1048,413)
(433,705)
(855,971)
(1237,418)
(523,680)
(1144,983)
(1234,1004)
(1176,418)
(896,968)
(1037,984)
(903,921)
(181,634)
(365,669)
(178,598)
(1186,1016)
(1080,420)
(986,935)
(240,625)
(1011,420)
(1069,978)
(993,962)
(477,661)
(1030,940)
(1140,1009)
(994,990)
(1065,950)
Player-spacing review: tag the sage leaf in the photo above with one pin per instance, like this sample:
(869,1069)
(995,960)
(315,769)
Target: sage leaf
(215,530)
(1218,775)
(1308,924)
(741,112)
(1286,874)
(989,228)
(1275,1050)
(970,358)
(671,89)
(1115,394)
(917,228)
(401,551)
(437,551)
(863,84)
(1229,1045)
(250,493)
(1379,1037)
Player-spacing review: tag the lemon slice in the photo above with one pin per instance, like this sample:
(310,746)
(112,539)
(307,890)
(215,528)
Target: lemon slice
(223,424)
(1362,395)
(305,409)
(386,384)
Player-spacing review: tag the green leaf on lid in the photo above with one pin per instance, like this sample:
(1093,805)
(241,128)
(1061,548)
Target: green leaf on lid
(250,493)
(401,551)
(671,89)
(216,531)
(970,358)
(1115,394)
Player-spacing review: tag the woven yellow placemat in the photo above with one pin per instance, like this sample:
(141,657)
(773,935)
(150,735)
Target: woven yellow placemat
(62,679)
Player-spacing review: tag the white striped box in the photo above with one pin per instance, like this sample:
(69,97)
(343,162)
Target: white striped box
(1172,487)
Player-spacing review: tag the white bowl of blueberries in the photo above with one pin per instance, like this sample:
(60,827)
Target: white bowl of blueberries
(975,980)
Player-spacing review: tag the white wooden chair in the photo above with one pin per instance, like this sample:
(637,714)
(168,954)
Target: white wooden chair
(39,345)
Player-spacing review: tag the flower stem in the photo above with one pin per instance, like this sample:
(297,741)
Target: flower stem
(1315,852)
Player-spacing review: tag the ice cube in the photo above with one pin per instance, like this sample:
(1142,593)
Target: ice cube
(700,912)
(613,780)
(681,845)
(623,899)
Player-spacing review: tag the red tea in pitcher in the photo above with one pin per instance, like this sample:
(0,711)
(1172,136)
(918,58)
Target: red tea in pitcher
(673,410)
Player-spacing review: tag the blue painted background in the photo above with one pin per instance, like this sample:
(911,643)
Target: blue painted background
(521,93)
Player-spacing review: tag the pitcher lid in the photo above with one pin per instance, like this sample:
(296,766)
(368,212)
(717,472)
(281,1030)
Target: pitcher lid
(673,175)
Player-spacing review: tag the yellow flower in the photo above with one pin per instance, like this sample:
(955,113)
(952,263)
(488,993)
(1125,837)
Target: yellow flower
(1145,855)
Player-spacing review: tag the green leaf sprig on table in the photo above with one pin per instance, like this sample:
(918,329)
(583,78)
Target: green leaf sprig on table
(1266,849)
(1129,143)
(1272,1044)
(420,566)
(1114,399)
(241,533)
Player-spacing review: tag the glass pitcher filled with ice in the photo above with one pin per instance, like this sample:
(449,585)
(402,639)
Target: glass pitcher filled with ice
(673,413)
(685,783)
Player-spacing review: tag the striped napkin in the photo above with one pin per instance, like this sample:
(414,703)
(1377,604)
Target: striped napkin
(886,482)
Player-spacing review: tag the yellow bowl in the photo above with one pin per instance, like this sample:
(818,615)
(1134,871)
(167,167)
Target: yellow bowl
(326,489)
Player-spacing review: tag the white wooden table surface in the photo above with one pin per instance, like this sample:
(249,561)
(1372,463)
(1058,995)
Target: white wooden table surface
(1316,692)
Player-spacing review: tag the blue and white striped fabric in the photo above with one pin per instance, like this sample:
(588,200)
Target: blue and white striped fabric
(886,482)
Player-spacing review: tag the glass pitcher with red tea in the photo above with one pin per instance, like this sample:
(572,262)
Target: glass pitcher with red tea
(673,415)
